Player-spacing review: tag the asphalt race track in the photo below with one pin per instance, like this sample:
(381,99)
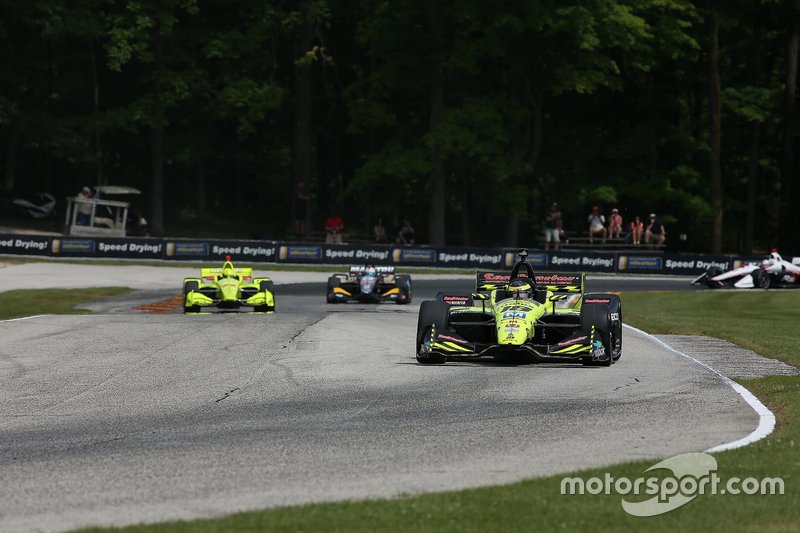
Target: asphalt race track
(126,416)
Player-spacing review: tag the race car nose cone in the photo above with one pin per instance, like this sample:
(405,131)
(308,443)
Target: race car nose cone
(229,291)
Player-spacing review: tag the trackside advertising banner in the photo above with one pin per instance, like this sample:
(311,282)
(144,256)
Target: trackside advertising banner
(250,251)
(334,253)
(566,260)
(463,258)
(494,259)
(24,245)
(697,264)
(116,248)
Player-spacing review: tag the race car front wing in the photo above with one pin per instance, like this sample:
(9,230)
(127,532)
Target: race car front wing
(576,346)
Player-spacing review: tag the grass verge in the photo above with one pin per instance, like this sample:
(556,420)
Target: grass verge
(30,302)
(765,322)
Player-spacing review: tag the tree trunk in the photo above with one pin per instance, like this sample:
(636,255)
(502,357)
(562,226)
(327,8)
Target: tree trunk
(98,150)
(753,163)
(786,207)
(12,149)
(752,186)
(714,97)
(200,189)
(303,117)
(436,212)
(157,186)
(465,214)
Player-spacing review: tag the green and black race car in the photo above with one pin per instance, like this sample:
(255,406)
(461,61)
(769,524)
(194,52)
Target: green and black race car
(522,316)
(228,288)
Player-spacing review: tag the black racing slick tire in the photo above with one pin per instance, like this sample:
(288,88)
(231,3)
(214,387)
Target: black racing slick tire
(760,279)
(263,286)
(604,312)
(332,282)
(188,287)
(431,315)
(404,284)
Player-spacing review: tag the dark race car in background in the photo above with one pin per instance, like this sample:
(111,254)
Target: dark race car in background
(773,271)
(369,284)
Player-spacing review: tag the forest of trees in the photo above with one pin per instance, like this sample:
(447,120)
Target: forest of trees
(469,117)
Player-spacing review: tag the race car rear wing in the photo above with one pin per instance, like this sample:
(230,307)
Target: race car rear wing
(212,273)
(380,269)
(552,281)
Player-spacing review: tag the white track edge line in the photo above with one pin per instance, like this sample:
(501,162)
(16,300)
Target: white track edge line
(22,318)
(766,418)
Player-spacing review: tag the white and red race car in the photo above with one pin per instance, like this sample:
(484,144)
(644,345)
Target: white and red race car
(773,271)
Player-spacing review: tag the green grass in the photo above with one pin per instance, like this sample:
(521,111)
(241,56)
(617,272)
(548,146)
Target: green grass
(766,322)
(30,302)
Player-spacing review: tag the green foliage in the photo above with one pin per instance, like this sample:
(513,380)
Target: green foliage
(581,101)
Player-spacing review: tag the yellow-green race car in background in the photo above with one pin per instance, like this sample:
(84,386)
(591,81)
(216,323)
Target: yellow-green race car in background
(228,288)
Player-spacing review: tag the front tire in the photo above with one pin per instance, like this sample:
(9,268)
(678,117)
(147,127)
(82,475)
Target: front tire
(404,284)
(760,279)
(604,312)
(432,315)
(332,282)
(188,287)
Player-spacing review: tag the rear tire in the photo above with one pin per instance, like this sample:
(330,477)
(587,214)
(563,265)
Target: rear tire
(431,314)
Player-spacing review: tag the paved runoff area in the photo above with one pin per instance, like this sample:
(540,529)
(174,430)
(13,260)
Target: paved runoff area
(127,416)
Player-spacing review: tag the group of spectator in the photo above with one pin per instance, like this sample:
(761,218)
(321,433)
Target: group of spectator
(654,232)
(334,225)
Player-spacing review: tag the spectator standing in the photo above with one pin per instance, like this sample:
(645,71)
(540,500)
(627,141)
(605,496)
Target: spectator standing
(615,224)
(552,228)
(84,207)
(597,224)
(405,234)
(333,229)
(637,227)
(379,232)
(300,209)
(655,233)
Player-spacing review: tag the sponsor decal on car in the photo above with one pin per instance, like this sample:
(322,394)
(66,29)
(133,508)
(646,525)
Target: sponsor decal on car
(518,308)
(491,277)
(514,314)
(558,280)
(572,341)
(441,337)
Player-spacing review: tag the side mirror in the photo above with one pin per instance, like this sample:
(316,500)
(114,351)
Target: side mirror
(480,296)
(558,297)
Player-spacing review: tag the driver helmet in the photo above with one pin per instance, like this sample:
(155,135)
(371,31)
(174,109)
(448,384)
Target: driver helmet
(370,270)
(519,288)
